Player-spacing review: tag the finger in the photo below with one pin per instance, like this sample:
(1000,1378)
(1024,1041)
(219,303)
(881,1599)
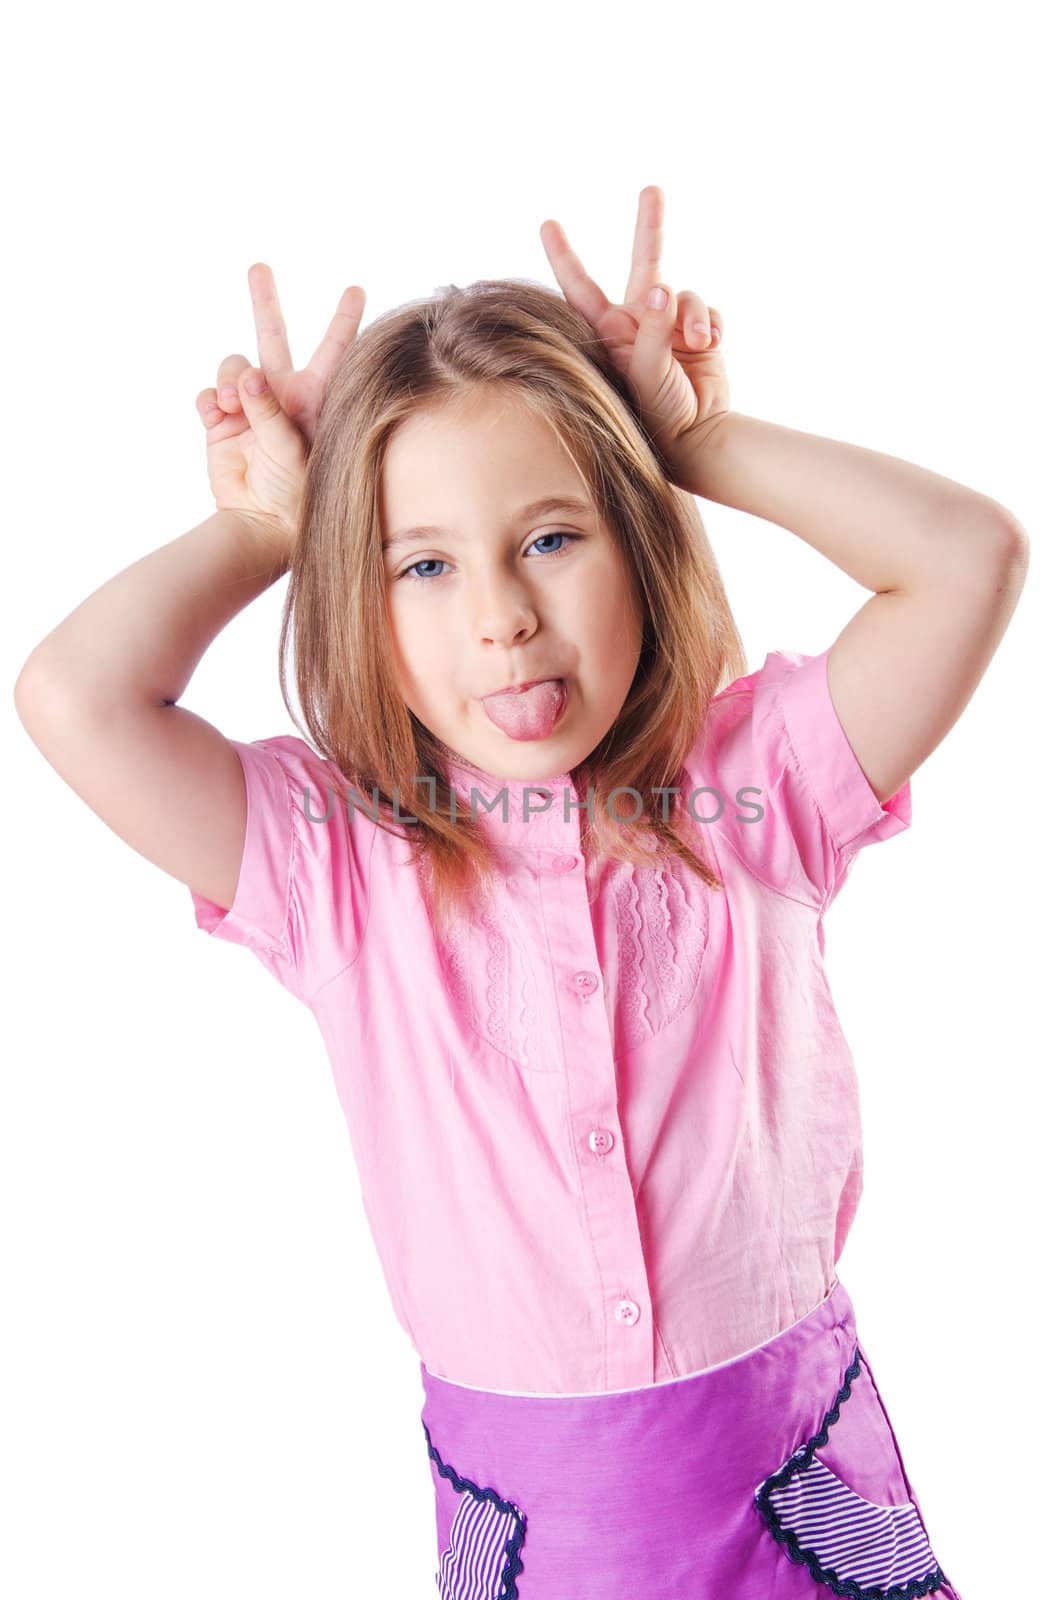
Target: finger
(227,381)
(219,424)
(652,354)
(696,319)
(580,290)
(273,350)
(646,267)
(207,407)
(341,332)
(268,418)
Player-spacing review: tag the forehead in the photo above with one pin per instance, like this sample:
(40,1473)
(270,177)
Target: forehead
(483,456)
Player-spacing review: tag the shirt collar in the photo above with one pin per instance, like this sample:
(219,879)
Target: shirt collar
(538,813)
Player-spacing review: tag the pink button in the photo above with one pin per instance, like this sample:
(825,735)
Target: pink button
(601,1139)
(627,1311)
(586,982)
(564,863)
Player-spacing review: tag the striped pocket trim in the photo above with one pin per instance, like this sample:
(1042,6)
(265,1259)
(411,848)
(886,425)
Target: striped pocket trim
(858,1549)
(482,1559)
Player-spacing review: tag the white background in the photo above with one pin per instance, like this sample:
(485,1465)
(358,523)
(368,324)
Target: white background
(205,1390)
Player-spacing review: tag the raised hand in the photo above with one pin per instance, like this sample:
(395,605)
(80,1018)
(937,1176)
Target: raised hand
(257,441)
(670,354)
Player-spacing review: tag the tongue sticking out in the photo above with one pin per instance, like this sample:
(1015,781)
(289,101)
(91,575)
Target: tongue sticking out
(530,714)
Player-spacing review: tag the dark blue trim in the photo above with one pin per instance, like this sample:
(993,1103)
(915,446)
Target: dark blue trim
(512,1566)
(784,1536)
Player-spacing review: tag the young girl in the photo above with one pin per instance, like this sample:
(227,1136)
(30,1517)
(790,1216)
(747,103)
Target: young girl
(549,869)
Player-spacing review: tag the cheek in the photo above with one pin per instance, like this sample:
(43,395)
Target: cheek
(612,638)
(408,646)
(625,621)
(424,655)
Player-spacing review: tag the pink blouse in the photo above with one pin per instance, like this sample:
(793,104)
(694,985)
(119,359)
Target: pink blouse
(603,1140)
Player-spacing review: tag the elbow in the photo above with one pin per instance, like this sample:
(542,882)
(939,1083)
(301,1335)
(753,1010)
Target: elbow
(38,689)
(1012,553)
(1018,545)
(1005,563)
(1006,536)
(1001,546)
(26,688)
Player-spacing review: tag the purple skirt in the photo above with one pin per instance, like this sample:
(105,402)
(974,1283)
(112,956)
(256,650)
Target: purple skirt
(774,1476)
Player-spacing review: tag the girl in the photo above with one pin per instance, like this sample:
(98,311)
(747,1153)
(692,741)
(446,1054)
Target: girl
(549,869)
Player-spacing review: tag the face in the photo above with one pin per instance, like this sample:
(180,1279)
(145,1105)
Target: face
(488,596)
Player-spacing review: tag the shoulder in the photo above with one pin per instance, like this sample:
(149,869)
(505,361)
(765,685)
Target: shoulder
(299,763)
(747,719)
(796,807)
(314,784)
(765,683)
(302,899)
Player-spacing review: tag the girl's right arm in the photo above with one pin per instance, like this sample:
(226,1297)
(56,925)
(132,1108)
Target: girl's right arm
(98,696)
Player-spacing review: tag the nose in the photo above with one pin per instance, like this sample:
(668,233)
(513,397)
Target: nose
(503,613)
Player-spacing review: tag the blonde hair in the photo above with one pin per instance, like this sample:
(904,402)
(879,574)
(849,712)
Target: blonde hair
(520,340)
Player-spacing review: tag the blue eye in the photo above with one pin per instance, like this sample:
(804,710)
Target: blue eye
(419,577)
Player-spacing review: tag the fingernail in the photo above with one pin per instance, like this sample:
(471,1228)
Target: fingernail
(658,297)
(256,383)
(702,329)
(228,392)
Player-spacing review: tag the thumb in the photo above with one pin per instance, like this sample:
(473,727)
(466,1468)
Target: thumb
(268,418)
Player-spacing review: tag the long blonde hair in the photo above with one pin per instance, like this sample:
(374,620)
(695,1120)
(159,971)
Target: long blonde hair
(516,339)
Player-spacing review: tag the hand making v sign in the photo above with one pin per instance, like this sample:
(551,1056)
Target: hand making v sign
(669,353)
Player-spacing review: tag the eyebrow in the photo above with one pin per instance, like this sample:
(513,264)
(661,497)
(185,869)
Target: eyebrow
(536,508)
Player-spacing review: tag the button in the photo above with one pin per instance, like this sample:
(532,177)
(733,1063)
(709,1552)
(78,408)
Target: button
(564,863)
(627,1311)
(601,1139)
(586,982)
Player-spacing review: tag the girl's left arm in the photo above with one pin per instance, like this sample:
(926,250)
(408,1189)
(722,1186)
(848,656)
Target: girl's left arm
(947,565)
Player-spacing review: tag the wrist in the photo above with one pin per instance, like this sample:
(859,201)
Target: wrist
(268,536)
(699,453)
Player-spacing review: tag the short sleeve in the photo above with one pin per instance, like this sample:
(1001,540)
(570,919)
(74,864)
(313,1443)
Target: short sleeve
(301,902)
(797,806)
